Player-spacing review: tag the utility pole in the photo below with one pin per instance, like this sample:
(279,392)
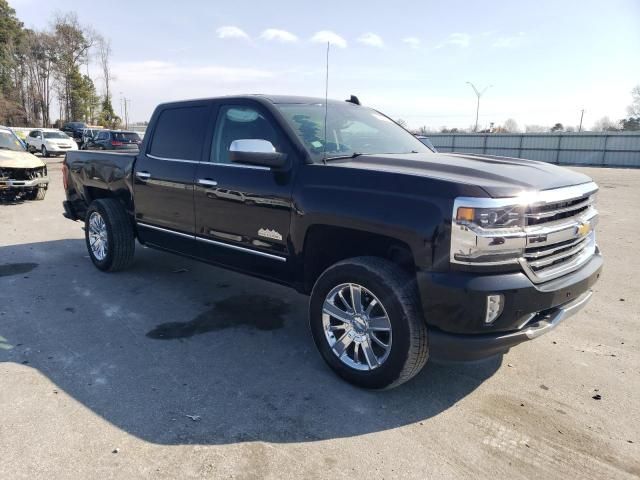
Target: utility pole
(581,116)
(126,114)
(478,93)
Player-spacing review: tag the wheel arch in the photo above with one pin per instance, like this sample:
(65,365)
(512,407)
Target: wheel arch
(325,245)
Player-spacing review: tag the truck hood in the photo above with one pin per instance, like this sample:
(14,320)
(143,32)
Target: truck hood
(498,176)
(13,159)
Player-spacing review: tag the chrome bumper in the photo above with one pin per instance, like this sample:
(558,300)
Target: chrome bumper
(36,182)
(548,322)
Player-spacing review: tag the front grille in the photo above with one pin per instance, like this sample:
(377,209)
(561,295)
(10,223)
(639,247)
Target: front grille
(560,236)
(21,173)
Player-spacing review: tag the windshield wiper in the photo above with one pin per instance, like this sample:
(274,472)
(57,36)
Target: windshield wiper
(342,157)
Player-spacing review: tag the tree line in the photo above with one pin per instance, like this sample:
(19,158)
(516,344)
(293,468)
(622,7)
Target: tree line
(37,67)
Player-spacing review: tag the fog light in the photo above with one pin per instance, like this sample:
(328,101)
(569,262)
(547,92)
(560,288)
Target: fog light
(495,304)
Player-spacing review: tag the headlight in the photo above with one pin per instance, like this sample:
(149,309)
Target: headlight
(487,231)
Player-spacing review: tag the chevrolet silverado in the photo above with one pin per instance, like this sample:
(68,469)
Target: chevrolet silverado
(406,254)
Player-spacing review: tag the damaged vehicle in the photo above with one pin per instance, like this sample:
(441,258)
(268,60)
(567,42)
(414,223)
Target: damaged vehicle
(21,173)
(407,255)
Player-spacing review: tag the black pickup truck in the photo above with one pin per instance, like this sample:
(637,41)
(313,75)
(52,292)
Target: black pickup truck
(406,254)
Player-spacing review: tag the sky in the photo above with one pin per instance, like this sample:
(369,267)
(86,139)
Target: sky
(544,60)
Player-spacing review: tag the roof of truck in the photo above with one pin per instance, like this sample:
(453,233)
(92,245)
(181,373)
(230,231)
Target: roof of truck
(275,99)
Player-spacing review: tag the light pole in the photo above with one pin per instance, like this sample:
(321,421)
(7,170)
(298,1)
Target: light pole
(478,93)
(581,117)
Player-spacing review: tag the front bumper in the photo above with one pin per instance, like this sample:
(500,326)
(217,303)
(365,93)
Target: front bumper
(23,184)
(57,150)
(454,305)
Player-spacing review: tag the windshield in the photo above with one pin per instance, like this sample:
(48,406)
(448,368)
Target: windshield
(351,129)
(55,135)
(8,141)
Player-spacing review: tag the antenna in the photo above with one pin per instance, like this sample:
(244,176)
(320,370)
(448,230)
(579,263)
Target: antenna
(326,107)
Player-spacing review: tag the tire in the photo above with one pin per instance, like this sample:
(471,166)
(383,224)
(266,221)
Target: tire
(44,152)
(118,232)
(37,194)
(396,296)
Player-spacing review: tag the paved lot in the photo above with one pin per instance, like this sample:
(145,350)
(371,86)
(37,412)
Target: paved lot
(175,369)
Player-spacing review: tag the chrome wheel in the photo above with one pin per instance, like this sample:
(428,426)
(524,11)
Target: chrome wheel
(98,239)
(356,326)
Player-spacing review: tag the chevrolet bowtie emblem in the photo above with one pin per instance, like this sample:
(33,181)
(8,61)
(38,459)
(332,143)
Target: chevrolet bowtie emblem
(583,229)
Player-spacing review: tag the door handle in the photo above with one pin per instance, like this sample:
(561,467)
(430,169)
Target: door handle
(143,175)
(207,182)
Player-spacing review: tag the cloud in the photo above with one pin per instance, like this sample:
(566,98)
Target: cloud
(456,39)
(324,36)
(231,31)
(371,39)
(413,42)
(509,42)
(278,35)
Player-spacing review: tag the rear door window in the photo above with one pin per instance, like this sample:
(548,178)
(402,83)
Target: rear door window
(179,133)
(128,137)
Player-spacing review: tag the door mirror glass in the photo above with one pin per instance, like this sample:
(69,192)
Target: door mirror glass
(256,152)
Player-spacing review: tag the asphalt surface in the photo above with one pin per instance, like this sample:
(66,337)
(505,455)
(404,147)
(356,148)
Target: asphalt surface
(175,369)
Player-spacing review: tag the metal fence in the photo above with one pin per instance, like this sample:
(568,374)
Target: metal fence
(621,149)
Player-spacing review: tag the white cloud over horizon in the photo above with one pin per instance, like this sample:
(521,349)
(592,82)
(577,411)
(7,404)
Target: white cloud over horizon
(278,35)
(371,39)
(231,31)
(328,36)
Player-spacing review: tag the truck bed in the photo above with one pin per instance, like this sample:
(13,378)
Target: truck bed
(89,172)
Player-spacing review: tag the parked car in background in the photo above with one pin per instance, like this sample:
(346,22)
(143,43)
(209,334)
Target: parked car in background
(49,141)
(74,130)
(425,141)
(113,140)
(88,134)
(21,173)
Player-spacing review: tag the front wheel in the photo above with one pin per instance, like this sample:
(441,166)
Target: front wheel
(109,235)
(367,322)
(37,194)
(44,152)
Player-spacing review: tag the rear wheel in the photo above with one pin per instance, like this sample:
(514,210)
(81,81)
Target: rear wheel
(367,322)
(109,235)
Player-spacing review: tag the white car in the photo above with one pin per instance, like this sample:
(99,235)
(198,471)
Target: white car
(49,141)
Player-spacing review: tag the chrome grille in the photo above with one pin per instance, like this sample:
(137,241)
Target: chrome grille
(560,235)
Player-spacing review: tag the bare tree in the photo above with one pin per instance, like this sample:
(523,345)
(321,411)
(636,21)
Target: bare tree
(605,124)
(39,63)
(73,42)
(634,108)
(511,126)
(104,57)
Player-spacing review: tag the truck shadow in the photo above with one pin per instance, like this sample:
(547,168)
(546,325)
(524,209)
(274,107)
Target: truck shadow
(177,352)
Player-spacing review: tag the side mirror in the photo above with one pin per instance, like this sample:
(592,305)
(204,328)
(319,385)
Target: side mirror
(256,152)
